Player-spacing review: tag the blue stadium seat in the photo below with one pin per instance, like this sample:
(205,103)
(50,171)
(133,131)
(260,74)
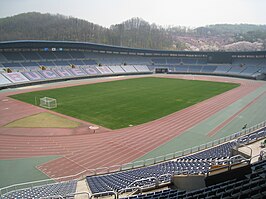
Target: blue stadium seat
(62,189)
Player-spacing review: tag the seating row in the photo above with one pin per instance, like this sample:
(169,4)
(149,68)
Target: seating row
(197,163)
(59,73)
(243,71)
(253,186)
(61,189)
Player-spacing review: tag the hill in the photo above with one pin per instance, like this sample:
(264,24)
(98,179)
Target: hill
(134,32)
(36,26)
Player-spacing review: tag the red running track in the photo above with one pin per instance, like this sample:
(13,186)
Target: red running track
(91,151)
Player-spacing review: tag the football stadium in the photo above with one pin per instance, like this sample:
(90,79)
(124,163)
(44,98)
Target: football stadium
(86,120)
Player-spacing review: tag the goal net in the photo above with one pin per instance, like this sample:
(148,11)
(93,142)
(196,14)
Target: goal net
(48,102)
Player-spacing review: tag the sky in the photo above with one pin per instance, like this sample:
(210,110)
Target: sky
(191,13)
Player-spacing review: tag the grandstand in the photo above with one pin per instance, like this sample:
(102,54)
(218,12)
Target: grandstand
(24,63)
(75,58)
(249,182)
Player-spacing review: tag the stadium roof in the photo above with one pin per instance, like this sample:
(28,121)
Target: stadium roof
(103,47)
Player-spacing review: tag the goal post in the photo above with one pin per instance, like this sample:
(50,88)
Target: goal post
(48,102)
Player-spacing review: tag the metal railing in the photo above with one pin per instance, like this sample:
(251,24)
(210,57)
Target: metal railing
(230,165)
(178,154)
(105,193)
(52,197)
(79,193)
(141,163)
(124,190)
(150,181)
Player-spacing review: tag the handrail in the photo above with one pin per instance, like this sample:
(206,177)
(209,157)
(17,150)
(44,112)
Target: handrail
(229,165)
(105,192)
(213,143)
(262,154)
(255,157)
(178,154)
(238,163)
(164,175)
(144,179)
(79,193)
(54,196)
(129,188)
(233,159)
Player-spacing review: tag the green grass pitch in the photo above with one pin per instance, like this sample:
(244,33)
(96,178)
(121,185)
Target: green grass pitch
(121,103)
